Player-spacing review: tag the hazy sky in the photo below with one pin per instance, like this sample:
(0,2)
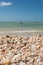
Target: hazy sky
(21,10)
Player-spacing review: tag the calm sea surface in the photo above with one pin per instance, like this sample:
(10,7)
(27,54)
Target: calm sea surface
(21,25)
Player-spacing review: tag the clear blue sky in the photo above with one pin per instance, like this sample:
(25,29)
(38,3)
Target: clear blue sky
(21,10)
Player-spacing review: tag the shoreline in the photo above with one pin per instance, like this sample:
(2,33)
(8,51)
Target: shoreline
(21,32)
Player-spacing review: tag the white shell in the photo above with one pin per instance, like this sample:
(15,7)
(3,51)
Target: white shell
(22,63)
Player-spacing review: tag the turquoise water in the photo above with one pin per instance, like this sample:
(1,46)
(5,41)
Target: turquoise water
(21,25)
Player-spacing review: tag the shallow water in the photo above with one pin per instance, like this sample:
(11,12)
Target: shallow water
(21,25)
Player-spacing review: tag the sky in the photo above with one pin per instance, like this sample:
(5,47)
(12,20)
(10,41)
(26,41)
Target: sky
(21,10)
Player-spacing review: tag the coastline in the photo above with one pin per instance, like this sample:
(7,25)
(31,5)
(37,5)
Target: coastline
(21,46)
(21,32)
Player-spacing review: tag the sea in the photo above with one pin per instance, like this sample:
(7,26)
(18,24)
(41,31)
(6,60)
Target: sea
(21,26)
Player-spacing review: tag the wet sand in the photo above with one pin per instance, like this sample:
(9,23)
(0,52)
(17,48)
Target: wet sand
(21,32)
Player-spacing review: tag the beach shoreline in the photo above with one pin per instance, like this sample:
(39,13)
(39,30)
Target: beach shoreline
(21,32)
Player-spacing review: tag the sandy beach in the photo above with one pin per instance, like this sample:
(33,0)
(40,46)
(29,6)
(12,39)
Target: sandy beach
(21,46)
(21,50)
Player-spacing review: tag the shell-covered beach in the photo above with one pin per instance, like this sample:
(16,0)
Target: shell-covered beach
(21,50)
(21,43)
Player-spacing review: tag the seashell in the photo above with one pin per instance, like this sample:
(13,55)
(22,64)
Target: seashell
(16,58)
(18,50)
(7,63)
(22,63)
(13,64)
